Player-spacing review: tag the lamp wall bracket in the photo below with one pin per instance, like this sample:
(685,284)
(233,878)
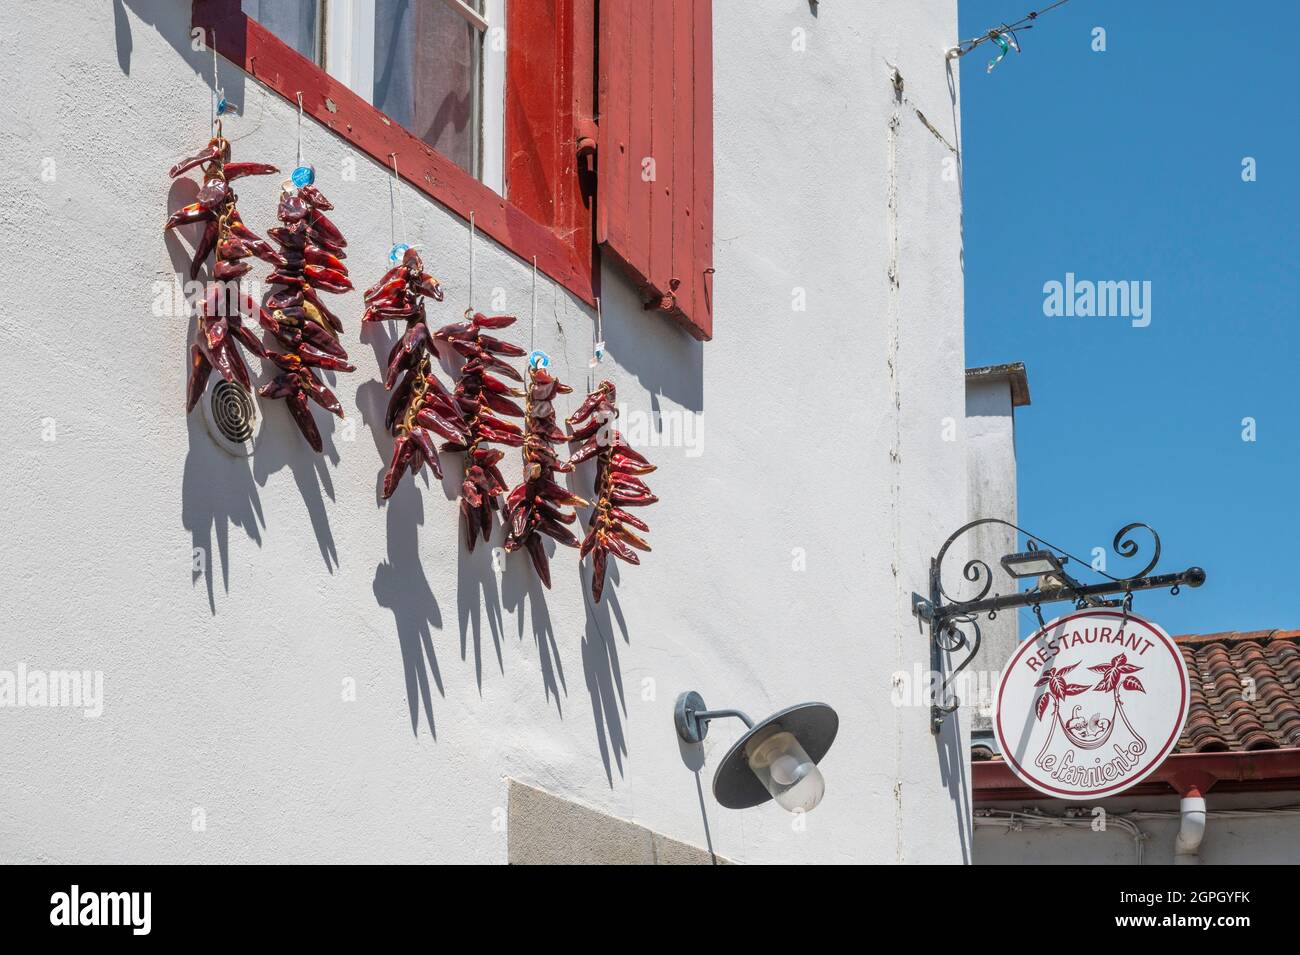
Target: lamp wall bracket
(692,717)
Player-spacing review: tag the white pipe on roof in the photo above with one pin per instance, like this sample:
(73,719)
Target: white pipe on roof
(1191,830)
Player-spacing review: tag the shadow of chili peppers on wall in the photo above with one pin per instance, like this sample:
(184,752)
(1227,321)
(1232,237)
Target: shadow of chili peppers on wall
(279,446)
(400,584)
(604,677)
(276,445)
(522,592)
(217,491)
(477,596)
(401,587)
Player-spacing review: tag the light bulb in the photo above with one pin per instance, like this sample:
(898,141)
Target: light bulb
(804,795)
(786,770)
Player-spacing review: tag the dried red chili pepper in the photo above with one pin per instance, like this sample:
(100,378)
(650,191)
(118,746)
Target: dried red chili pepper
(294,314)
(480,399)
(220,318)
(536,505)
(420,405)
(618,486)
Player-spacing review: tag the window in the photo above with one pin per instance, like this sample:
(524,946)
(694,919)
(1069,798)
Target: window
(440,68)
(296,22)
(491,108)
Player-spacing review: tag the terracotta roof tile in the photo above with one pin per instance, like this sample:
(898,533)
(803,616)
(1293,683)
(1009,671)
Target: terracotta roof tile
(1245,691)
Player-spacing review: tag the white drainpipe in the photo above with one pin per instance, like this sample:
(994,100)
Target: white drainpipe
(1191,829)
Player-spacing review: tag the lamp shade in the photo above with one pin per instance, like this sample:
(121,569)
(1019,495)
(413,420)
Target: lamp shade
(777,759)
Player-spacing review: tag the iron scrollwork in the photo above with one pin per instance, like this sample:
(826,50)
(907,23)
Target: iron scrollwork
(975,570)
(950,638)
(948,615)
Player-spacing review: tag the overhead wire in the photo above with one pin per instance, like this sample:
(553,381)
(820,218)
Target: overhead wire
(1005,30)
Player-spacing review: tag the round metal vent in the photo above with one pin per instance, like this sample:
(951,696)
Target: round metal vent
(231,413)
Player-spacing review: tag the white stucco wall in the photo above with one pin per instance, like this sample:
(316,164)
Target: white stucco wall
(991,492)
(1269,834)
(224,693)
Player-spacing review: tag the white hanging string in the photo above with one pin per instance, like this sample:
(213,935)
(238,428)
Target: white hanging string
(215,94)
(470,308)
(299,130)
(532,330)
(395,203)
(597,349)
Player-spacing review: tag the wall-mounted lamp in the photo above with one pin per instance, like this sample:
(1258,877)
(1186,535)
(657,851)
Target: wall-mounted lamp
(776,759)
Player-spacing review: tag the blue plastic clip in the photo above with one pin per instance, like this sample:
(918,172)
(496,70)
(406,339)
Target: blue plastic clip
(303,176)
(1005,42)
(539,359)
(396,252)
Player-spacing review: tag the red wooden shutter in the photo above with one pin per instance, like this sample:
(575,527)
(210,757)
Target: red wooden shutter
(654,195)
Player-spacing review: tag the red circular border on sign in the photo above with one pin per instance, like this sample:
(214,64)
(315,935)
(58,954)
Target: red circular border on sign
(1164,750)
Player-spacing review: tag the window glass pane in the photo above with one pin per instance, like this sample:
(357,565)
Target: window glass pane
(427,60)
(296,22)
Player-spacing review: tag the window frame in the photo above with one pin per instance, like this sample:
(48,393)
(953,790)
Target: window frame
(347,54)
(556,235)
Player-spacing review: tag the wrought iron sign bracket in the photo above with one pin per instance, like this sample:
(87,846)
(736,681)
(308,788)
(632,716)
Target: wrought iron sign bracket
(949,619)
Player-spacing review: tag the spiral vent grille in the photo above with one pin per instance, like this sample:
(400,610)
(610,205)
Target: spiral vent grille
(233,411)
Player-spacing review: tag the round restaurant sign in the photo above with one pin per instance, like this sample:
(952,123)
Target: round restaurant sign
(1091,704)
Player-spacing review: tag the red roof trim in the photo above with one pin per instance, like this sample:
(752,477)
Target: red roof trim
(1264,770)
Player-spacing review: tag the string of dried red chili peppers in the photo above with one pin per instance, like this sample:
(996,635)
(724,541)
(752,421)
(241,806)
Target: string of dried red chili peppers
(536,505)
(420,404)
(310,262)
(480,397)
(618,484)
(220,320)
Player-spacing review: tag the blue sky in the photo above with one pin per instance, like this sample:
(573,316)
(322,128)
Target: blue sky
(1127,165)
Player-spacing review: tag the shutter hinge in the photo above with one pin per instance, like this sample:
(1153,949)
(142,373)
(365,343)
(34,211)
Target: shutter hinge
(667,301)
(586,144)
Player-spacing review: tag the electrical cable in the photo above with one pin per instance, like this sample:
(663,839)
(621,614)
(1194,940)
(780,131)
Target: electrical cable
(1004,35)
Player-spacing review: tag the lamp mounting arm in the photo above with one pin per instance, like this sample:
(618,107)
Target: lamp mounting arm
(707,715)
(692,718)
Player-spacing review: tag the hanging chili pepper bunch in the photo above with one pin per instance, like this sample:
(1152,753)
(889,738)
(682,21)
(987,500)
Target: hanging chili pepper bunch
(310,262)
(618,484)
(536,506)
(220,325)
(420,405)
(480,399)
